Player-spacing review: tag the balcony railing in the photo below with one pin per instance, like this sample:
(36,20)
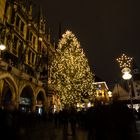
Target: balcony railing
(18,73)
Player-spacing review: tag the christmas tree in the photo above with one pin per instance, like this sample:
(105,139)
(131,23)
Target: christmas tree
(70,73)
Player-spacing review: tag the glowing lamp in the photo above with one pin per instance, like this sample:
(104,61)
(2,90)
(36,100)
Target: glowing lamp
(78,105)
(40,39)
(109,93)
(126,74)
(2,47)
(89,104)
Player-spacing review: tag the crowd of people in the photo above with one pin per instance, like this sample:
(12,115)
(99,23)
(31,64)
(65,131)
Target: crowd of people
(102,122)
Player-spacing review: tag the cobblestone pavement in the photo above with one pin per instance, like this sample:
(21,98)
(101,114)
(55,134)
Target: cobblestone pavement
(47,131)
(138,125)
(136,136)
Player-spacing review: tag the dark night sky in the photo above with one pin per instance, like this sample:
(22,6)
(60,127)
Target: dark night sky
(105,29)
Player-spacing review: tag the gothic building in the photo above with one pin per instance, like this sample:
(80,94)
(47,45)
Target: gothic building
(24,64)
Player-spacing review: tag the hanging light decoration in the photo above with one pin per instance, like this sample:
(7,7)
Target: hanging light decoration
(125,63)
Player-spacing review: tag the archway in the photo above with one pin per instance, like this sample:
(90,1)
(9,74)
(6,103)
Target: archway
(8,94)
(40,103)
(8,91)
(26,100)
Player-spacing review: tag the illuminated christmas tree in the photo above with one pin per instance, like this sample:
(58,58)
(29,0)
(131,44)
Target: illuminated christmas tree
(70,73)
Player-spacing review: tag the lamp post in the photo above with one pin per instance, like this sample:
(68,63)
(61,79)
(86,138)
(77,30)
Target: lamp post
(2,35)
(110,96)
(125,63)
(2,47)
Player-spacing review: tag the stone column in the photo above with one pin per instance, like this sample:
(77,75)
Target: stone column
(1,89)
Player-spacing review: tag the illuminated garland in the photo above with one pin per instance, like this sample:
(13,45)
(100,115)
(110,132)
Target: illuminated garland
(70,73)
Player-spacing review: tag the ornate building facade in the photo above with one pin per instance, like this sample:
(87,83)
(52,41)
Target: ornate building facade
(126,90)
(24,64)
(102,92)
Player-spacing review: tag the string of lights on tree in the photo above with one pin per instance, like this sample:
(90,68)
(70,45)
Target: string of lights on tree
(124,61)
(70,73)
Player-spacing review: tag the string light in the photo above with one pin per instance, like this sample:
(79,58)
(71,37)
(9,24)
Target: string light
(124,61)
(70,73)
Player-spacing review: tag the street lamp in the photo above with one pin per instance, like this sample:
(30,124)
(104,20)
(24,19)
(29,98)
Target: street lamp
(2,47)
(125,63)
(109,94)
(126,74)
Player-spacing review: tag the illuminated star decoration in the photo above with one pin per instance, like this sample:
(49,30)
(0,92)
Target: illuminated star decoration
(124,61)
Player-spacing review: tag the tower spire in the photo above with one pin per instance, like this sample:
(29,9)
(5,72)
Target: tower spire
(30,8)
(42,21)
